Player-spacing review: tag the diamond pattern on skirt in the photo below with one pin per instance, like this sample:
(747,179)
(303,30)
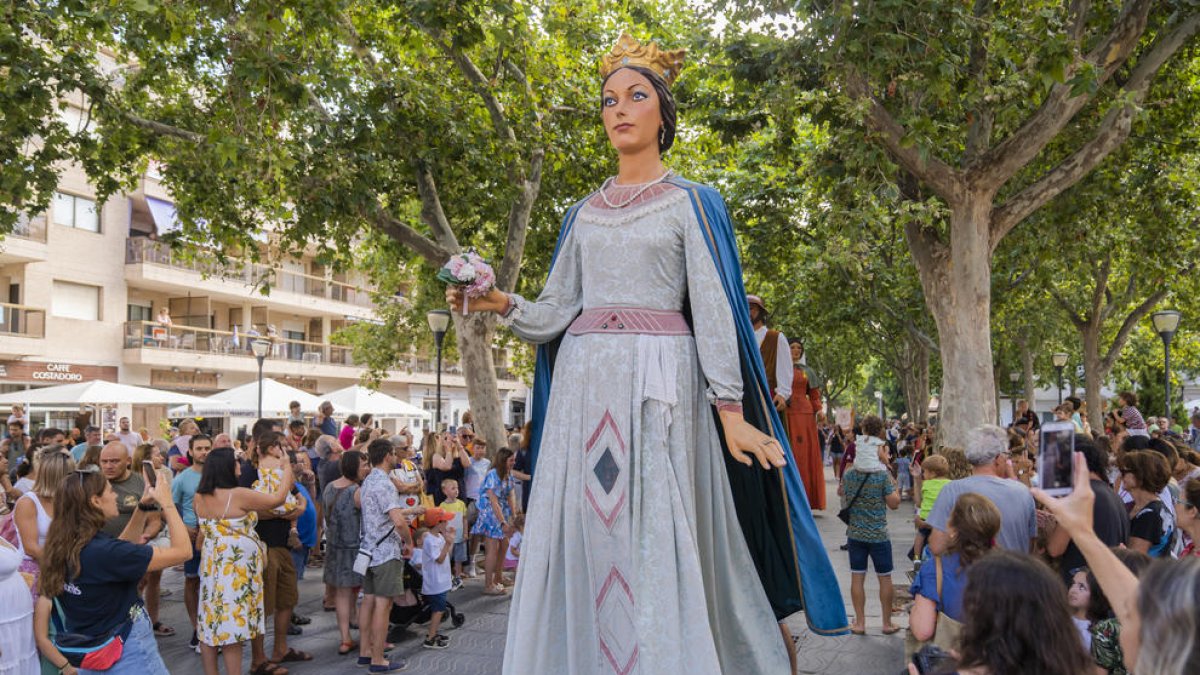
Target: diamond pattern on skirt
(606,481)
(615,617)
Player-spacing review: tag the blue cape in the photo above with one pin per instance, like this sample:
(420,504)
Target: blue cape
(788,552)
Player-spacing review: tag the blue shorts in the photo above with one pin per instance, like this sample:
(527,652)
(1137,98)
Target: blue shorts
(191,568)
(437,603)
(880,553)
(459,552)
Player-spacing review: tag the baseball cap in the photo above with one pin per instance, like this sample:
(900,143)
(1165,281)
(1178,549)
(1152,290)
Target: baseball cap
(435,515)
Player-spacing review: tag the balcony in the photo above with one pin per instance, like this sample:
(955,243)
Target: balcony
(153,263)
(26,242)
(152,344)
(21,330)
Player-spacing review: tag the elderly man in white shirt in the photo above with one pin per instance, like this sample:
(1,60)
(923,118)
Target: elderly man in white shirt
(776,357)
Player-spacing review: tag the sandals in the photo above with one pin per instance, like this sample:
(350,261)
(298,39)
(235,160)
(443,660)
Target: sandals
(268,668)
(347,647)
(891,630)
(495,590)
(163,630)
(295,655)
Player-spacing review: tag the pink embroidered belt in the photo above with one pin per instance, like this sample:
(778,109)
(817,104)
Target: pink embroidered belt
(633,320)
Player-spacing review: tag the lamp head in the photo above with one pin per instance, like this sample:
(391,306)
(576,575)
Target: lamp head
(260,347)
(1014,377)
(878,394)
(439,320)
(1060,359)
(1165,322)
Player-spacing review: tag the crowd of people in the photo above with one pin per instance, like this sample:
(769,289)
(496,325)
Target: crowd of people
(393,523)
(1009,579)
(1005,578)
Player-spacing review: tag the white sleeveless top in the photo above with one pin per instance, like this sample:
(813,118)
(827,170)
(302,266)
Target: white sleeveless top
(43,520)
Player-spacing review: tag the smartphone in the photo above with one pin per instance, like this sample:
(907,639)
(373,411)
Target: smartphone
(1055,455)
(148,471)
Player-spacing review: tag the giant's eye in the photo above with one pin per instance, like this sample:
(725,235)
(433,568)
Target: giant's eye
(609,101)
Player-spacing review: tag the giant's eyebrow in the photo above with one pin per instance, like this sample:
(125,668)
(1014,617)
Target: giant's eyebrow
(635,84)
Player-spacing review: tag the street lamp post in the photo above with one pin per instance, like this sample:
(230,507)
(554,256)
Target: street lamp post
(1166,323)
(879,399)
(1013,377)
(260,347)
(1060,362)
(439,323)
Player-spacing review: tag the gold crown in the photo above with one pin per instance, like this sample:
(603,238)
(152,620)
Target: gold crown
(630,52)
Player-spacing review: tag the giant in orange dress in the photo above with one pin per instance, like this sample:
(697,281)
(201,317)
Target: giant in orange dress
(806,444)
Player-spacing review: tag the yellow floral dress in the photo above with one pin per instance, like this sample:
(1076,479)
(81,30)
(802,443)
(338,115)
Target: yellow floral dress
(231,581)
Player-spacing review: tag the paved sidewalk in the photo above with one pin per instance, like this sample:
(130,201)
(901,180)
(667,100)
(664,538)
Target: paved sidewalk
(475,649)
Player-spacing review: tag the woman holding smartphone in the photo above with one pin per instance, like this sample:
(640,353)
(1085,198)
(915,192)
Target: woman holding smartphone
(90,579)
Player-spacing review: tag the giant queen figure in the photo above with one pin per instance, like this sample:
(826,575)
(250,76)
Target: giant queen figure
(668,530)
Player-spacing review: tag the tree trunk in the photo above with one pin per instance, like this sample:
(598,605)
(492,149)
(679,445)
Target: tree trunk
(915,382)
(475,333)
(1094,375)
(1029,384)
(959,296)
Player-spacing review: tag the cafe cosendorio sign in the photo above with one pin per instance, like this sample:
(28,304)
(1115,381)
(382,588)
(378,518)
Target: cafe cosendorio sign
(41,372)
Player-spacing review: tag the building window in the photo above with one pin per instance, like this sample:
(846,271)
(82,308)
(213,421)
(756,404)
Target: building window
(77,212)
(140,313)
(75,301)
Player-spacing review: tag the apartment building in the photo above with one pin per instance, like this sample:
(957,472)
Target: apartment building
(83,286)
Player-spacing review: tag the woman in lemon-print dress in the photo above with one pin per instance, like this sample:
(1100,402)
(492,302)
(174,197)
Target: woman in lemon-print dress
(231,557)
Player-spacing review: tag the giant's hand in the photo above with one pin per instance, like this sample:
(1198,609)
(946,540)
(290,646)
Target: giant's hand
(746,443)
(495,300)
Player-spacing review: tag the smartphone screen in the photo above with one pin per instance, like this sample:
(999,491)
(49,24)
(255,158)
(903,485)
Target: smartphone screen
(148,470)
(1055,455)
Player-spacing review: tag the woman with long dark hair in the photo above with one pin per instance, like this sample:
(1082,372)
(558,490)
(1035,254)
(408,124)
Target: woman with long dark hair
(497,505)
(89,579)
(1016,620)
(231,556)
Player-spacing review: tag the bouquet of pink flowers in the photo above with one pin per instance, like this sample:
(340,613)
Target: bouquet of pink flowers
(471,272)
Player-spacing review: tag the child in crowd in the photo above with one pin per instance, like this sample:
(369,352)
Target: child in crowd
(418,555)
(435,572)
(871,451)
(1079,596)
(904,472)
(513,556)
(458,508)
(1129,416)
(935,474)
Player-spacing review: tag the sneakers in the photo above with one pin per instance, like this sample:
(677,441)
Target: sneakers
(436,642)
(456,584)
(391,667)
(194,643)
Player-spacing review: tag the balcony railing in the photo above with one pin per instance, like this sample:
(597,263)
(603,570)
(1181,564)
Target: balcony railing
(21,320)
(144,250)
(31,228)
(153,335)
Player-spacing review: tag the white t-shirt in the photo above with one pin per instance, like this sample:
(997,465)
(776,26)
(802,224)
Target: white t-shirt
(408,475)
(514,545)
(474,476)
(436,574)
(783,362)
(418,558)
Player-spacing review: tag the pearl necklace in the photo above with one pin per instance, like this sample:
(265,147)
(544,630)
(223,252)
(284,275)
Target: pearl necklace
(641,190)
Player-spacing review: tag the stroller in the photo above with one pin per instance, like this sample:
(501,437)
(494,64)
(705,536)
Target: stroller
(415,609)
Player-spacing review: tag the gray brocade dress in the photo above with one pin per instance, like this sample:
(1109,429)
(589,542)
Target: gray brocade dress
(633,559)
